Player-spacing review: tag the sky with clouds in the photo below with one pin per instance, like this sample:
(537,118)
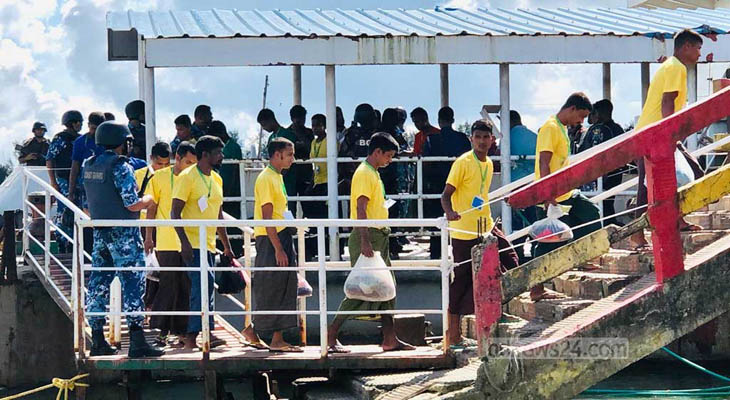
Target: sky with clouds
(54,59)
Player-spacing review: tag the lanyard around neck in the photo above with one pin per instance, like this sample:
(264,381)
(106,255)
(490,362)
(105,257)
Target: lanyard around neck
(208,183)
(283,187)
(564,130)
(482,172)
(377,174)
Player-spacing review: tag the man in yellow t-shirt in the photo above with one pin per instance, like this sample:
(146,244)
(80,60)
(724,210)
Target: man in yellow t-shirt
(465,201)
(173,292)
(273,290)
(198,194)
(552,153)
(317,209)
(367,201)
(667,94)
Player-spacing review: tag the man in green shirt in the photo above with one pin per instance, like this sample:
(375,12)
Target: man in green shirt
(268,122)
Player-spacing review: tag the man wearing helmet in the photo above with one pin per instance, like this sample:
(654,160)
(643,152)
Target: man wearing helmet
(112,194)
(58,162)
(33,151)
(135,114)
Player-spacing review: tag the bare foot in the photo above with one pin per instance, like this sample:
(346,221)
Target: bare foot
(540,293)
(397,345)
(685,226)
(253,338)
(189,341)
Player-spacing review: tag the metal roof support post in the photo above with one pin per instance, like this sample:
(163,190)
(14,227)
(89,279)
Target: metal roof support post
(147,83)
(444,69)
(140,66)
(504,161)
(607,81)
(331,110)
(691,141)
(644,82)
(297,84)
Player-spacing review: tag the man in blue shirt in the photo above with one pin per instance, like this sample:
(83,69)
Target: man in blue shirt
(83,148)
(203,116)
(522,144)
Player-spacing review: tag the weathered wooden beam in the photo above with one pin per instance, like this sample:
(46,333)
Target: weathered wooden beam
(646,314)
(558,261)
(487,293)
(624,149)
(629,229)
(706,190)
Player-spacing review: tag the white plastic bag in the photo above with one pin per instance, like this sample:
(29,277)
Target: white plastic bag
(150,261)
(551,229)
(365,283)
(304,289)
(683,170)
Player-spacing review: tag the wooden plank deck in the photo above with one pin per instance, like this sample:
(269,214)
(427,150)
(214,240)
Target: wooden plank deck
(238,358)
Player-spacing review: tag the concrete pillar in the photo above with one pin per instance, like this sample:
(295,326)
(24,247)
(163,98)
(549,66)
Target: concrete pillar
(331,110)
(297,84)
(444,69)
(505,162)
(607,81)
(645,79)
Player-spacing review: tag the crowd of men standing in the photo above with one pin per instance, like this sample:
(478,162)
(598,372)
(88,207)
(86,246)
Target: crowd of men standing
(103,172)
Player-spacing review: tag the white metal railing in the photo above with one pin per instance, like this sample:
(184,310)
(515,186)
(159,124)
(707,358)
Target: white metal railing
(322,267)
(80,266)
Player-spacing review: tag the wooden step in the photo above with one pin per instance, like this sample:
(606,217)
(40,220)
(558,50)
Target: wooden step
(693,241)
(546,310)
(591,285)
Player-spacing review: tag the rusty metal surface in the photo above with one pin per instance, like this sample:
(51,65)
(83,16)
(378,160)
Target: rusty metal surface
(439,21)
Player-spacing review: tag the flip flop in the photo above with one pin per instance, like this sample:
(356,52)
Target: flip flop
(257,345)
(216,342)
(286,349)
(335,348)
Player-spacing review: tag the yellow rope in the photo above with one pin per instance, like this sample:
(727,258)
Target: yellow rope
(63,385)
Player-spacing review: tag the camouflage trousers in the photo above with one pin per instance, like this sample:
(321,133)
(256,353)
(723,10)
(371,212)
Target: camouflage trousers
(63,243)
(116,247)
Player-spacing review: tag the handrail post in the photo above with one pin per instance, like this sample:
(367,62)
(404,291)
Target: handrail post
(47,234)
(302,301)
(247,263)
(445,279)
(664,211)
(204,304)
(242,185)
(115,306)
(419,186)
(79,317)
(599,188)
(25,213)
(322,286)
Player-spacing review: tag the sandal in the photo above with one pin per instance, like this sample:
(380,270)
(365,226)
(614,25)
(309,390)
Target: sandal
(337,349)
(257,345)
(286,349)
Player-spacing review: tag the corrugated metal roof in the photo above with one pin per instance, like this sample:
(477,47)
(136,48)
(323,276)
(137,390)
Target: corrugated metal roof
(418,22)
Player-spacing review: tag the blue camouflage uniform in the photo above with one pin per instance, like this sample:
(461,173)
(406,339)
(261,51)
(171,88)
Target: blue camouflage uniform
(117,247)
(61,147)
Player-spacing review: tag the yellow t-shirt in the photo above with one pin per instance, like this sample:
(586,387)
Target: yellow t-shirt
(670,77)
(269,188)
(160,188)
(366,182)
(471,178)
(139,178)
(190,186)
(553,137)
(319,150)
